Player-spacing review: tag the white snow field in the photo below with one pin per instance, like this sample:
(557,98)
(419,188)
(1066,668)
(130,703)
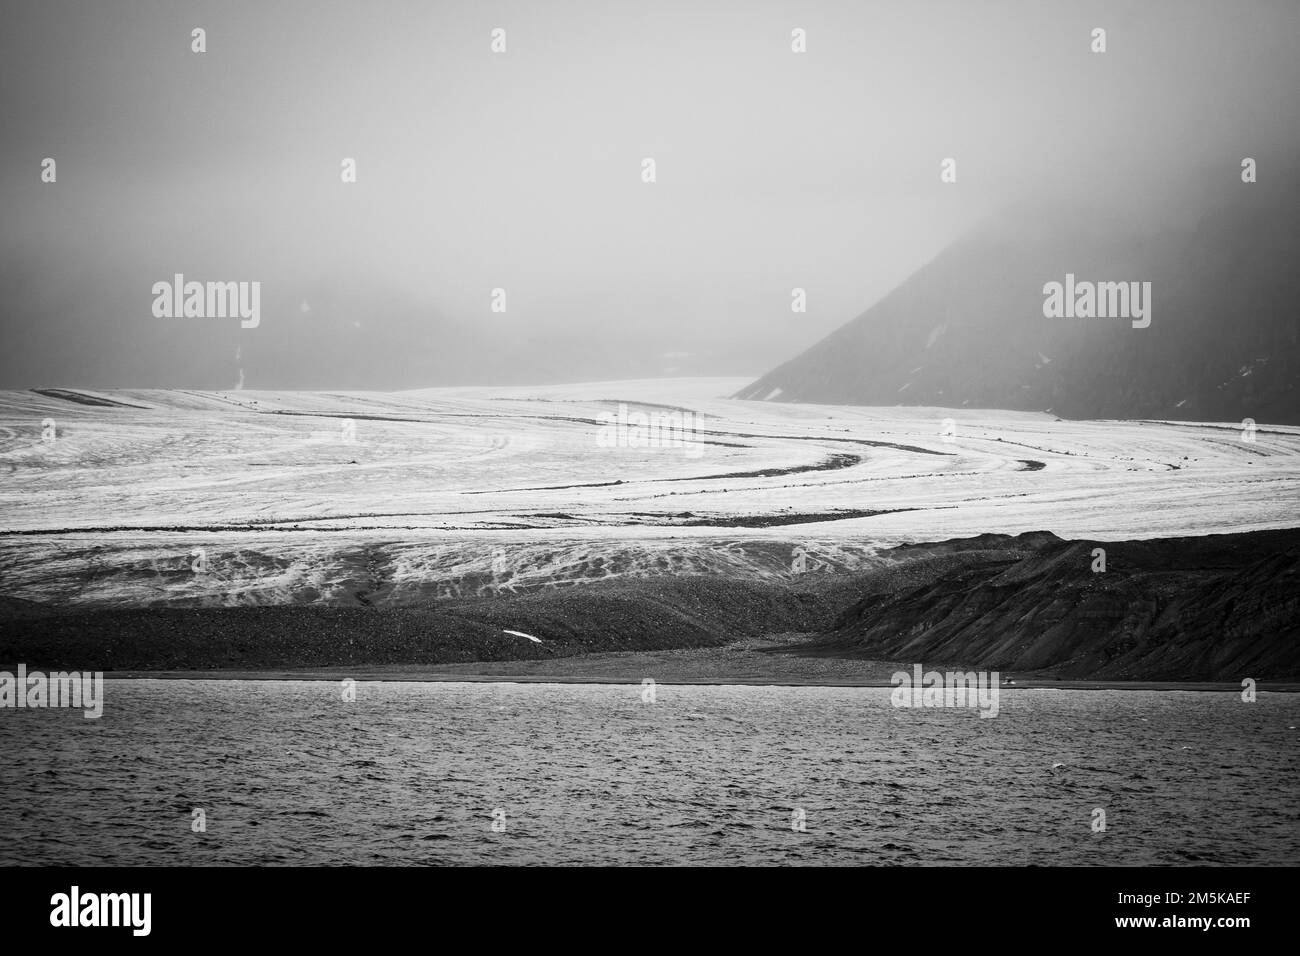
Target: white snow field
(130,497)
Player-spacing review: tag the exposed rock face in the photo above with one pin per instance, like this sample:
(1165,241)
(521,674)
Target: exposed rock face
(1220,607)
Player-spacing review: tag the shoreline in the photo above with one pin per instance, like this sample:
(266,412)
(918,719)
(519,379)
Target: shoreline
(416,675)
(774,661)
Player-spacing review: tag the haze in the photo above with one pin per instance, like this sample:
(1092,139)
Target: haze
(522,171)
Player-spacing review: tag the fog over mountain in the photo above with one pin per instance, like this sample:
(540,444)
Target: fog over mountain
(969,329)
(522,170)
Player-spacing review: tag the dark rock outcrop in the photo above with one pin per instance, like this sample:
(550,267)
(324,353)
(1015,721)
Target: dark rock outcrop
(1219,607)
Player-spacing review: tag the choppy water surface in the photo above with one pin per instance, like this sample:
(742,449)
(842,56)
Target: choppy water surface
(288,773)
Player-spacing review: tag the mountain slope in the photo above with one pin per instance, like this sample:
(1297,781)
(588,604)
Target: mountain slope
(968,329)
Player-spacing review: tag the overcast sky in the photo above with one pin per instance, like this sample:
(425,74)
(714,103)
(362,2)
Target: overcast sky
(522,171)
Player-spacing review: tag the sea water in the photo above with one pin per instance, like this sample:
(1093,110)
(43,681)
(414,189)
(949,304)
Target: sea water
(290,772)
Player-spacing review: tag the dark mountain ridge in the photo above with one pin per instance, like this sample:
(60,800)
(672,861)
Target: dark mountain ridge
(969,330)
